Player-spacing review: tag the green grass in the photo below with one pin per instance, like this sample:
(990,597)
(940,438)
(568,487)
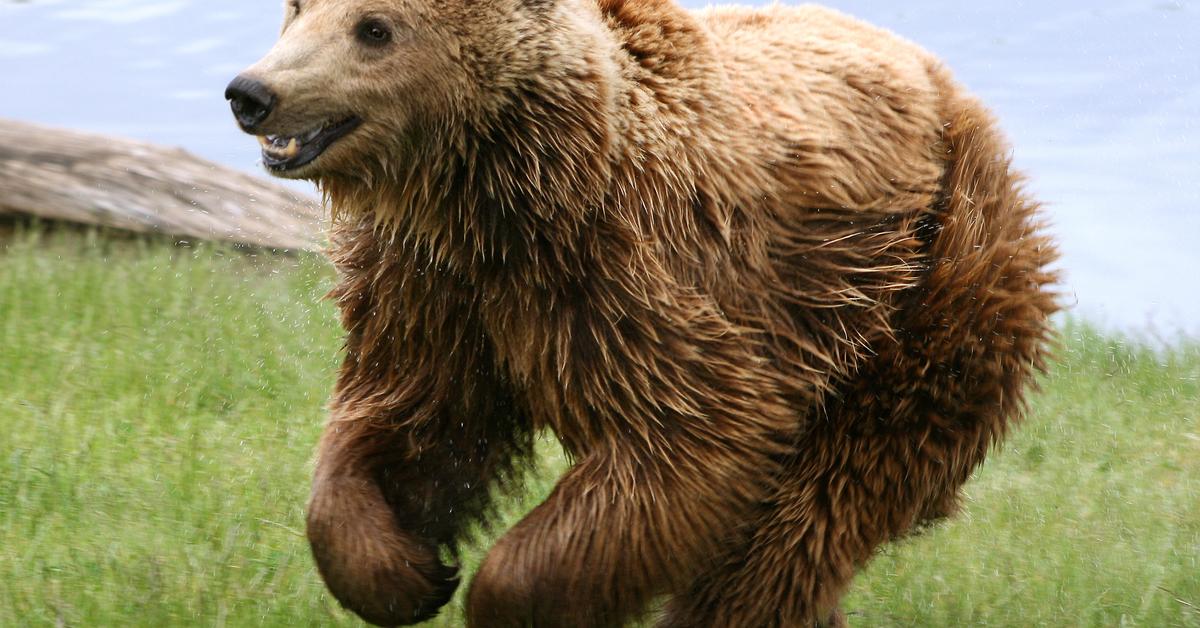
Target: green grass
(1088,516)
(159,407)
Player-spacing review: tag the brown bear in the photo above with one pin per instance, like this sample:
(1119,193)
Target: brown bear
(766,274)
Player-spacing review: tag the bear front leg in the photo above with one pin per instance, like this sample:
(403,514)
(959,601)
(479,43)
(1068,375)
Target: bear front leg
(623,526)
(421,429)
(679,425)
(387,498)
(373,566)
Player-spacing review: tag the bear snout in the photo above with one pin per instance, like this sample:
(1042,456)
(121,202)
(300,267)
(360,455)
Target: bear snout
(251,101)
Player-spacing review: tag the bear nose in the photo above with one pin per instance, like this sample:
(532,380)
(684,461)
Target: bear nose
(251,101)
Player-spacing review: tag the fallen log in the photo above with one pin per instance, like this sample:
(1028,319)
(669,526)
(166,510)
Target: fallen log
(59,175)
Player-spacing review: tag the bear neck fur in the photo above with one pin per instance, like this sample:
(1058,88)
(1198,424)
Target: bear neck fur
(522,178)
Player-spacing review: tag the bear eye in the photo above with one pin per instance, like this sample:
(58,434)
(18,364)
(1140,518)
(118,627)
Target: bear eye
(373,32)
(295,5)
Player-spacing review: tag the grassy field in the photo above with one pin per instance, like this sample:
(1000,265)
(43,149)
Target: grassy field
(159,407)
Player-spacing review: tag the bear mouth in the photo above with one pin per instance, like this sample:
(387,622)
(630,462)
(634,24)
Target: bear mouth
(282,153)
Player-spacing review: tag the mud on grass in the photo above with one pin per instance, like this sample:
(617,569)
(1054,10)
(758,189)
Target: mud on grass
(159,407)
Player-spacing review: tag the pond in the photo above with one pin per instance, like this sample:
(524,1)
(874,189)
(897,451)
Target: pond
(1101,101)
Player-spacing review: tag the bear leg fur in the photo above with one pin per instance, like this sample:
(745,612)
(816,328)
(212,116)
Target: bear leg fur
(887,459)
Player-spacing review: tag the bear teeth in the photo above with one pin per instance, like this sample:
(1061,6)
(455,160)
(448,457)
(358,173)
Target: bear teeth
(285,152)
(287,145)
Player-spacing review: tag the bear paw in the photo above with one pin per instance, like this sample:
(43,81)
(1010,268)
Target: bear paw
(383,574)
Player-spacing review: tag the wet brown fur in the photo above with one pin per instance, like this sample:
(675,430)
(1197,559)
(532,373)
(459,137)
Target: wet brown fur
(766,274)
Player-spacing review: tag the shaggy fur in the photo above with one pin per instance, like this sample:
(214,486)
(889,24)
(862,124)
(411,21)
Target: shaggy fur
(766,274)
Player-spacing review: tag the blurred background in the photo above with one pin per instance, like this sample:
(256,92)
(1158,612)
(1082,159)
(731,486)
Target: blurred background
(1100,99)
